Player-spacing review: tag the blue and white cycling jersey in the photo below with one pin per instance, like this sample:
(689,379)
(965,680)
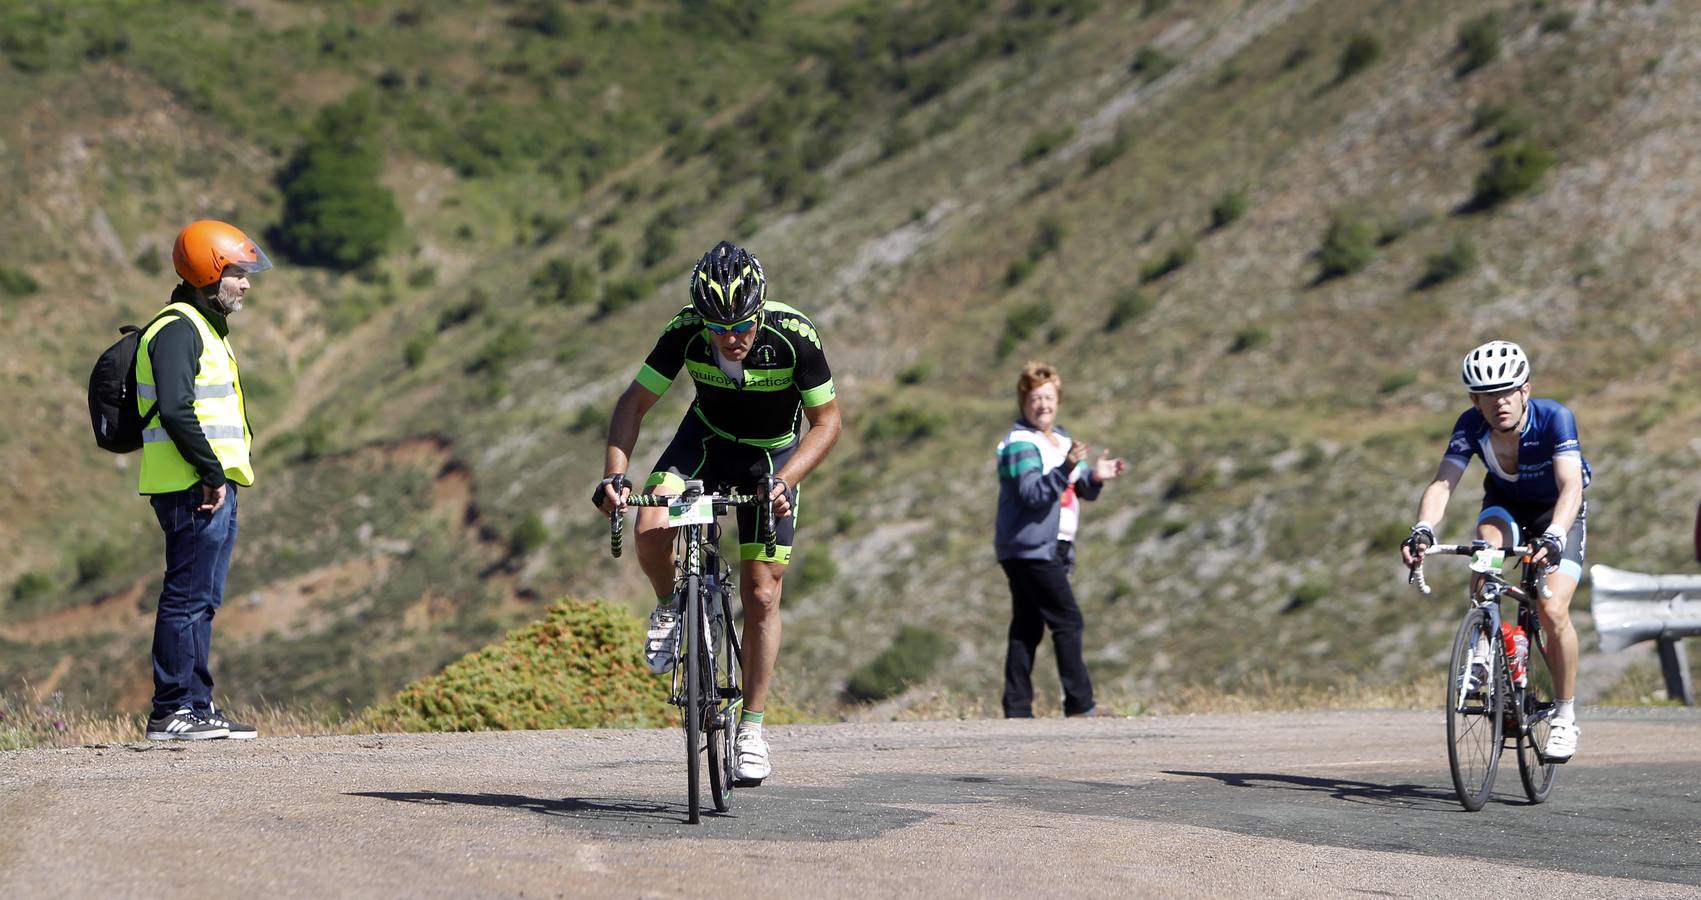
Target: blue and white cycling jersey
(1550,433)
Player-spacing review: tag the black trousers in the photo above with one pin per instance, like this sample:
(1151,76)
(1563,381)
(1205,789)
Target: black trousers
(1040,597)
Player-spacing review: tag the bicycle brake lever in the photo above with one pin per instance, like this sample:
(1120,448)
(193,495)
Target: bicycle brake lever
(616,524)
(1415,576)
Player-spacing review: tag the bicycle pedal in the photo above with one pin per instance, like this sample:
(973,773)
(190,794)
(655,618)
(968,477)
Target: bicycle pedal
(746,782)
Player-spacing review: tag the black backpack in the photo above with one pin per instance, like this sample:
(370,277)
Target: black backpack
(112,395)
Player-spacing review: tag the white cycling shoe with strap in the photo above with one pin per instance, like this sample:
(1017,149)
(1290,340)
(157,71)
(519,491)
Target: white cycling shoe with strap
(751,750)
(1562,741)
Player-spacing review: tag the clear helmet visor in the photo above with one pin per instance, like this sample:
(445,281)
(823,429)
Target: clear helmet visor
(246,259)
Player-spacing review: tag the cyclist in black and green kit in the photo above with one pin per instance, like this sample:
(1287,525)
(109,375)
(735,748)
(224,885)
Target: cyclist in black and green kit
(760,371)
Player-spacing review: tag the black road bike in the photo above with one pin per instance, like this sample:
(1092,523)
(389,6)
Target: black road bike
(1488,703)
(708,686)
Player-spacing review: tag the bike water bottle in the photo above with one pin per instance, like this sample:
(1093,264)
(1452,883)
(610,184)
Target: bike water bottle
(1517,651)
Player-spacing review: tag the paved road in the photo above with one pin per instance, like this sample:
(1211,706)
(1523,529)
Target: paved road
(1312,804)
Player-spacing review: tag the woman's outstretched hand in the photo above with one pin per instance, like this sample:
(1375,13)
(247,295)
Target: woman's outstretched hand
(1106,468)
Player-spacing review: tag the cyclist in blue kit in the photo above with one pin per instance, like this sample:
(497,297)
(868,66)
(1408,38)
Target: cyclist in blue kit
(1534,486)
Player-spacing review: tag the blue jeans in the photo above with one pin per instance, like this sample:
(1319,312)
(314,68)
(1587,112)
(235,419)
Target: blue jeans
(197,558)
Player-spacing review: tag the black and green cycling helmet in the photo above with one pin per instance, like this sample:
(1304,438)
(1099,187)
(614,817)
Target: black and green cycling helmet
(727,284)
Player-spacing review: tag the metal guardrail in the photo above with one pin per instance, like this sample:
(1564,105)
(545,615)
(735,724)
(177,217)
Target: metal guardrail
(1632,607)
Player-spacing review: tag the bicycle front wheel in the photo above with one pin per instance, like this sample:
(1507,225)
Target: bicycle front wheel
(724,705)
(1533,768)
(694,690)
(1475,693)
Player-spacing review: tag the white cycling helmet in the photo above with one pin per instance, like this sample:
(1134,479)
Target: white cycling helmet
(1495,366)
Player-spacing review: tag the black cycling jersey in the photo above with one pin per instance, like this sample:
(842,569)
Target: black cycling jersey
(762,405)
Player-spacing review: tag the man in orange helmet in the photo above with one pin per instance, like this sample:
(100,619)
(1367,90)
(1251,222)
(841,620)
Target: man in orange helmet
(193,458)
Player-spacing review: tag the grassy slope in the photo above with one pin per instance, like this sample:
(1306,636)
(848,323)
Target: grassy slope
(1242,542)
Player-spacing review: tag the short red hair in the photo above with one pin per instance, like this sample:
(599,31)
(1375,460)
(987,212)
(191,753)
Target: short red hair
(1035,374)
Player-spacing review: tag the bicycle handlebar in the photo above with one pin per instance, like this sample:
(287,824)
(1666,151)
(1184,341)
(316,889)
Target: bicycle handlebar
(767,530)
(1520,550)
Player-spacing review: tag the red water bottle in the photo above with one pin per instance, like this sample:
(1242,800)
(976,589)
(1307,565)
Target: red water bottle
(1517,651)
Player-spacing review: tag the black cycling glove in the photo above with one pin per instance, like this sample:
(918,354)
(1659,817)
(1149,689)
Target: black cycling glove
(617,481)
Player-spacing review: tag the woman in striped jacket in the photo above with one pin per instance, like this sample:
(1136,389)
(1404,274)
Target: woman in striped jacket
(1042,477)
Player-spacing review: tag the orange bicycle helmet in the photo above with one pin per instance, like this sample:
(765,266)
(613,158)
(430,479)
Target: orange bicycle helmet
(204,249)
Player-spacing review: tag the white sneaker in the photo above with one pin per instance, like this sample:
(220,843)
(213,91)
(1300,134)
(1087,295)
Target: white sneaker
(661,644)
(1562,740)
(752,752)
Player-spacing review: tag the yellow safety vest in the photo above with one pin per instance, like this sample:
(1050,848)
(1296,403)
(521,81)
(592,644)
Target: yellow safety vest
(218,406)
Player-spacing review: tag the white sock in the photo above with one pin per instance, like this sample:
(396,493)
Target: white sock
(1565,709)
(750,728)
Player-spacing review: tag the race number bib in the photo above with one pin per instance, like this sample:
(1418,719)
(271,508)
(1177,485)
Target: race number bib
(696,512)
(1485,561)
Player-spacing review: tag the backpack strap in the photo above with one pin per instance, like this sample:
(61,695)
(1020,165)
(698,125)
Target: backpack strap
(126,329)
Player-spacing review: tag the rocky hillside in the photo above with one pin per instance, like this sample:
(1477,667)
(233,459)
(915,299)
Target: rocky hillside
(1256,237)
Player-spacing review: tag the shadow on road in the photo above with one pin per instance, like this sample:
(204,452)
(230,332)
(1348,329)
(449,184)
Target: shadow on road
(1402,795)
(601,809)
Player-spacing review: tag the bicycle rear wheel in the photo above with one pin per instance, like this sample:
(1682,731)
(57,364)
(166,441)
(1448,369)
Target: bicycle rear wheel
(1474,700)
(694,690)
(1533,768)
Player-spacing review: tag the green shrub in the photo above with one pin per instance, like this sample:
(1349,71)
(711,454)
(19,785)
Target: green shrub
(1103,154)
(1229,207)
(1361,51)
(17,282)
(529,535)
(911,657)
(565,282)
(1018,271)
(336,213)
(422,277)
(610,255)
(1248,338)
(659,245)
(417,348)
(1178,256)
(1513,168)
(96,562)
(1151,63)
(1505,123)
(1297,57)
(621,293)
(1195,478)
(917,373)
(1048,238)
(1044,141)
(904,426)
(581,667)
(29,586)
(501,351)
(1020,324)
(1459,257)
(1306,595)
(149,263)
(459,314)
(1557,21)
(1128,304)
(1395,381)
(816,569)
(1479,43)
(1392,229)
(1348,246)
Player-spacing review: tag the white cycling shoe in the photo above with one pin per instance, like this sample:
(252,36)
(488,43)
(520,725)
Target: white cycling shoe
(1562,741)
(661,643)
(752,752)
